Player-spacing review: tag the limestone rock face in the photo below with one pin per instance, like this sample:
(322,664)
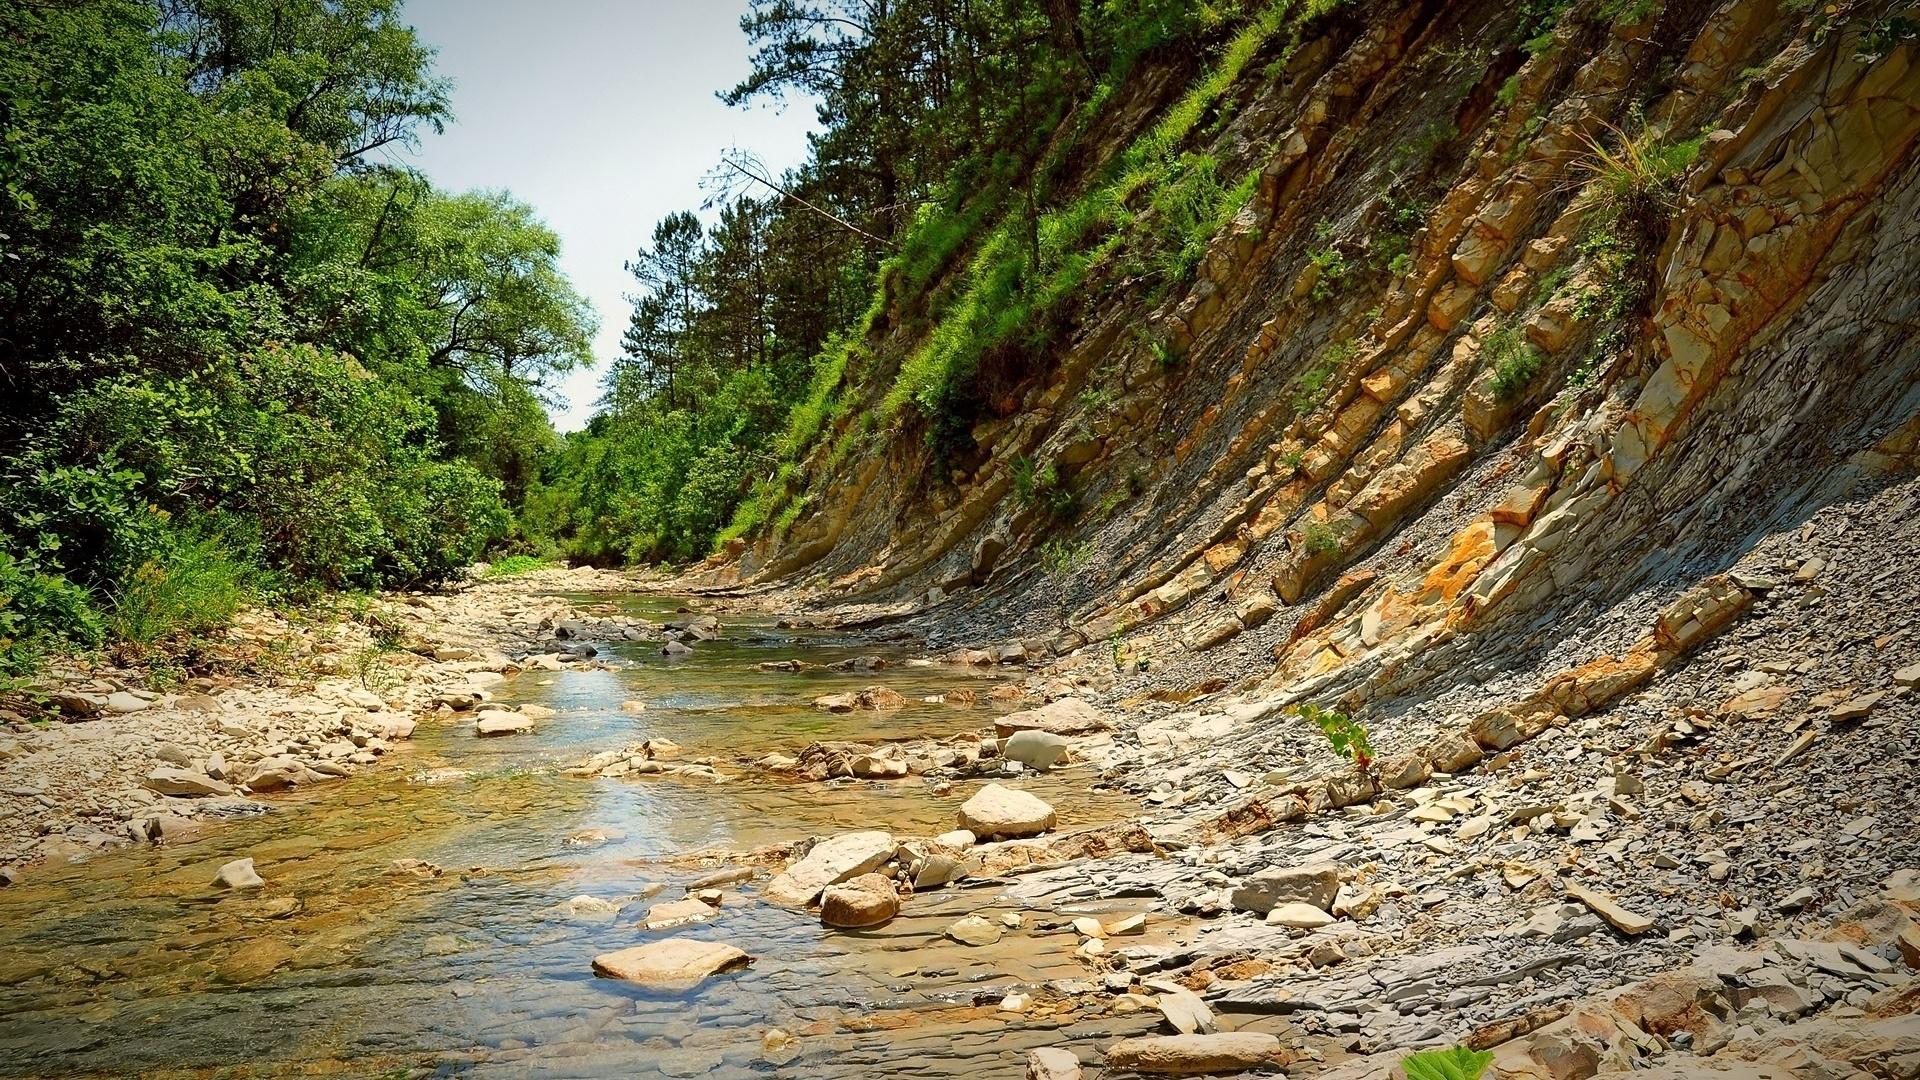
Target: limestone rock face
(997,812)
(829,863)
(670,964)
(867,900)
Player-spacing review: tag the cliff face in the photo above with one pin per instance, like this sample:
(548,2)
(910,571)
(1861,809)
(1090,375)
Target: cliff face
(1513,341)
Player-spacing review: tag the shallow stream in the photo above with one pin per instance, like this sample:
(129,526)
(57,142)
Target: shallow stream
(134,963)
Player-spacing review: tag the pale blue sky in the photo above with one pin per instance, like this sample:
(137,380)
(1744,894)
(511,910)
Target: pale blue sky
(600,113)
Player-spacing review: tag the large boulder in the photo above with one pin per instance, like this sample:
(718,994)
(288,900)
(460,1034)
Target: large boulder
(867,900)
(997,812)
(1035,749)
(1195,1055)
(1315,884)
(1068,716)
(830,863)
(670,964)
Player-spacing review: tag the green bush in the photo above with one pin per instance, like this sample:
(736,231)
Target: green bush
(1515,363)
(328,471)
(195,586)
(41,613)
(1309,387)
(1318,538)
(514,565)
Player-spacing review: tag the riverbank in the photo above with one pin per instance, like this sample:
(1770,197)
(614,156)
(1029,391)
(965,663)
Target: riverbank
(96,758)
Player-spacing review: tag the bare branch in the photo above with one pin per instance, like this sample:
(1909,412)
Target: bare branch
(747,170)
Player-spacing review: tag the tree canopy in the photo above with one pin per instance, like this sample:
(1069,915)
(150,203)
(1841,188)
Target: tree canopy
(232,325)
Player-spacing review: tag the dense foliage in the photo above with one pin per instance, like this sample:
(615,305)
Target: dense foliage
(239,349)
(935,202)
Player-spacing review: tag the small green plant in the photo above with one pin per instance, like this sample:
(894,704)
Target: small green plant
(1422,146)
(41,613)
(1630,12)
(1095,400)
(1882,36)
(1589,367)
(1292,460)
(1515,362)
(1318,538)
(1453,1063)
(1639,174)
(1061,501)
(1331,272)
(1509,92)
(1345,734)
(370,665)
(1166,355)
(1311,384)
(1024,486)
(1061,556)
(1550,283)
(1119,650)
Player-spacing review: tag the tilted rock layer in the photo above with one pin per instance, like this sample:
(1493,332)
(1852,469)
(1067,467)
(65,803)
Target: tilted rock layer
(1506,334)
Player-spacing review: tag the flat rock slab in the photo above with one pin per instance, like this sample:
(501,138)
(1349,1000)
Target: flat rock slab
(182,783)
(1052,1063)
(1068,716)
(493,723)
(1315,883)
(671,964)
(677,913)
(1196,1055)
(1627,922)
(830,863)
(1298,916)
(975,930)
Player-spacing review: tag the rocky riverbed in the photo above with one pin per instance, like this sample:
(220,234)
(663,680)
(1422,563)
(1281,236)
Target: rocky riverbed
(782,847)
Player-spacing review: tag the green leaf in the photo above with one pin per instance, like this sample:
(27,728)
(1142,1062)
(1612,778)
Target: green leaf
(1455,1063)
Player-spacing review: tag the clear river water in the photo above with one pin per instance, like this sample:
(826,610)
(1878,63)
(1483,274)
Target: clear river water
(131,963)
